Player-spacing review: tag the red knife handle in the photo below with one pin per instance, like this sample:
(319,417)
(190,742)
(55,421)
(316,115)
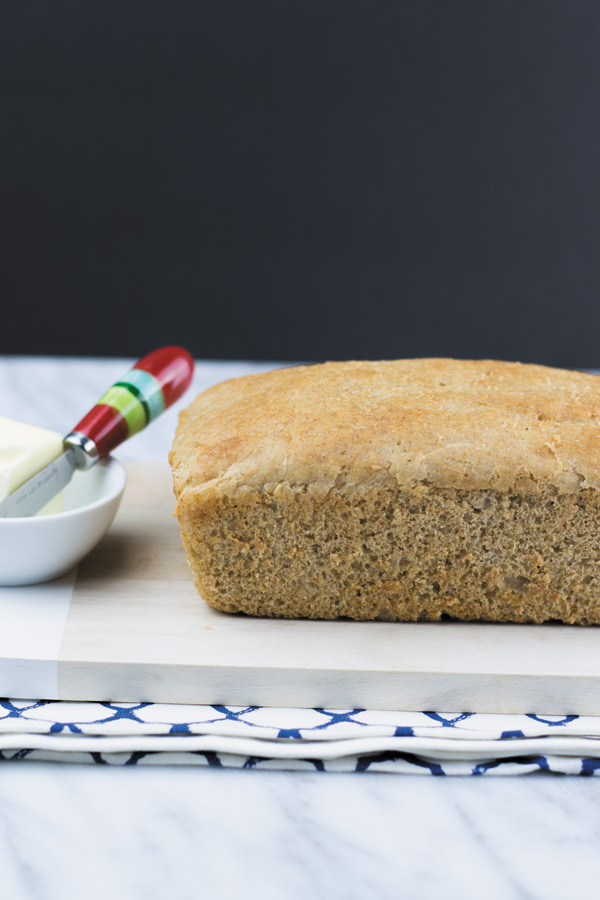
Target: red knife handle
(154,384)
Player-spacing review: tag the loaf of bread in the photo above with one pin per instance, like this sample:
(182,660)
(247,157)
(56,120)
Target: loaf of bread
(399,491)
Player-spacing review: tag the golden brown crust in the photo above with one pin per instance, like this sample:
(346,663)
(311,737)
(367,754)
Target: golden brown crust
(467,425)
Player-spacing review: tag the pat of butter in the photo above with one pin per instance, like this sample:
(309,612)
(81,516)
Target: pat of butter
(24,450)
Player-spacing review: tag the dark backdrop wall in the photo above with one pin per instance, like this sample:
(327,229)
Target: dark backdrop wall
(301,179)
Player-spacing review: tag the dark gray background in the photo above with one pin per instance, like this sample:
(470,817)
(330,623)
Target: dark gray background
(301,180)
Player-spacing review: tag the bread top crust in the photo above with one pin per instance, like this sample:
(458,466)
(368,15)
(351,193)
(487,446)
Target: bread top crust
(468,424)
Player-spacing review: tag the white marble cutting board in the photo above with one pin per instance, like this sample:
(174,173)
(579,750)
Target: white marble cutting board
(129,626)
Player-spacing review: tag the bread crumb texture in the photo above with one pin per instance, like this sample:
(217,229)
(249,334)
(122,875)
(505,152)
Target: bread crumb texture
(395,490)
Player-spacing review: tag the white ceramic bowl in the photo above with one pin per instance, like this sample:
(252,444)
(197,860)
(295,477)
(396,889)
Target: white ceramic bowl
(40,548)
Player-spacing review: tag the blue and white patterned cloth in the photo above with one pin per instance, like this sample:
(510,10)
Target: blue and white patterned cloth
(304,739)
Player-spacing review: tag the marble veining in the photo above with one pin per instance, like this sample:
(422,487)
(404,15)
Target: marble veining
(143,833)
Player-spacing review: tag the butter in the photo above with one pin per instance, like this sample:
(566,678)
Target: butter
(24,450)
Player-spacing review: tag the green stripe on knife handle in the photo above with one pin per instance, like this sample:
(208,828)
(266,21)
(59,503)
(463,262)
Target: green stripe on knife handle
(135,400)
(146,388)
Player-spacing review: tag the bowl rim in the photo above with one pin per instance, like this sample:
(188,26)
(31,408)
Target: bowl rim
(117,490)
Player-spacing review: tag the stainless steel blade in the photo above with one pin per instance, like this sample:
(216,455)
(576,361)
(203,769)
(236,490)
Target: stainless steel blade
(40,489)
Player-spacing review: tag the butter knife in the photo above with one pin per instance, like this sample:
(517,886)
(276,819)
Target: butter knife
(135,400)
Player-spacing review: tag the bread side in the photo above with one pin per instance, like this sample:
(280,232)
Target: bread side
(395,491)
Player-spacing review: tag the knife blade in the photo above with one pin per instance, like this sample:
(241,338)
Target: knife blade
(152,386)
(41,488)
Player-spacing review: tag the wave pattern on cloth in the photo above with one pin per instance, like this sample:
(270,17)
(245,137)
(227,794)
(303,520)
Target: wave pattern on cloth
(252,737)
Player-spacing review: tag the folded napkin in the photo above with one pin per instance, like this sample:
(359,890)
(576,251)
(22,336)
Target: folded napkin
(356,740)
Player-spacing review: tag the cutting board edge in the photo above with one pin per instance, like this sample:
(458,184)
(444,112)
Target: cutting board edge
(516,694)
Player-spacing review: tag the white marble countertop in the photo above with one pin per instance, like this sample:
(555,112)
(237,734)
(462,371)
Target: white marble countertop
(100,831)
